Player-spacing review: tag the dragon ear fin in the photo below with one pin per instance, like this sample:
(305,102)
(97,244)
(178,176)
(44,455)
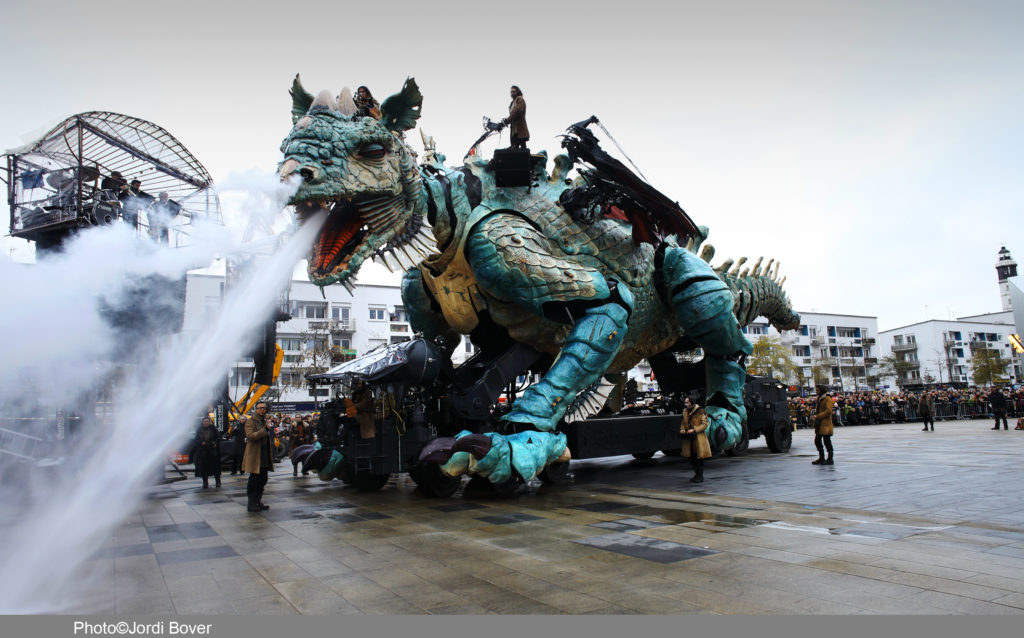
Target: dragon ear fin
(400,111)
(345,103)
(301,99)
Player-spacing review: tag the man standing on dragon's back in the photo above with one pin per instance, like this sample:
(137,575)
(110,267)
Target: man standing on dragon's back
(517,119)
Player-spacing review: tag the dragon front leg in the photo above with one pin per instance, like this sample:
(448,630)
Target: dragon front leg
(590,348)
(588,351)
(704,306)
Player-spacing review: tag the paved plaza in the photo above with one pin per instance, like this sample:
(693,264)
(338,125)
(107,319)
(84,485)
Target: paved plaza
(905,522)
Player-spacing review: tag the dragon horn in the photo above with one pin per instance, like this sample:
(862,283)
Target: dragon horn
(768,269)
(724,268)
(746,271)
(345,103)
(324,100)
(707,253)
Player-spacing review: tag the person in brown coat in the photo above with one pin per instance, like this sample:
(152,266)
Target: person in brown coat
(926,411)
(258,459)
(695,442)
(516,119)
(362,399)
(823,426)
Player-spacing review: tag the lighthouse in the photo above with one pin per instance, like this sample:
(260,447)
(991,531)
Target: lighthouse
(1006,268)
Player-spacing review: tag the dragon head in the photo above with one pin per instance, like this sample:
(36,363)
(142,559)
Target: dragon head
(359,170)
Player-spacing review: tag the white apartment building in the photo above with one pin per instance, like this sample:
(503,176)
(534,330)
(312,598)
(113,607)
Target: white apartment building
(335,325)
(844,345)
(941,351)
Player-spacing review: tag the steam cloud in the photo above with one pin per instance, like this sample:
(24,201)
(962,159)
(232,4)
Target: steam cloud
(57,347)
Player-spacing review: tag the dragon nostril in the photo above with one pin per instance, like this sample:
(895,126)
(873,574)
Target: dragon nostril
(307,173)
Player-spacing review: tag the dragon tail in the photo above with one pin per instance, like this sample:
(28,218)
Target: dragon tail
(756,292)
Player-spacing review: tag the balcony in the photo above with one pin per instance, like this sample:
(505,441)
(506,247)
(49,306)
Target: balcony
(868,341)
(904,347)
(847,361)
(343,325)
(870,361)
(817,341)
(400,327)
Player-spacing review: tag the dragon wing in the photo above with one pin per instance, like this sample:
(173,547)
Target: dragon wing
(644,204)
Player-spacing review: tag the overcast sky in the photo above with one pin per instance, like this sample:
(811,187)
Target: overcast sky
(873,147)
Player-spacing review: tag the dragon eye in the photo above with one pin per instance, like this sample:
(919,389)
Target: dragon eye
(327,162)
(372,151)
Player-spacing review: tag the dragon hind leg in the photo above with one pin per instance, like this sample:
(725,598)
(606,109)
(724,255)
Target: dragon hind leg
(704,305)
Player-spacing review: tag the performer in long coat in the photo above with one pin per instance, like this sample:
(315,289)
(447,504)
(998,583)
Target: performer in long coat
(258,460)
(823,426)
(695,440)
(207,456)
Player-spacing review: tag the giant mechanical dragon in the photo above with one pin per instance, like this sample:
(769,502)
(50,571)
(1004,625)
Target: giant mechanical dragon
(596,272)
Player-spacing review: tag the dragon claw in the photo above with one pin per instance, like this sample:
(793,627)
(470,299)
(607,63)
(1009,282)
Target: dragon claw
(437,451)
(499,457)
(725,427)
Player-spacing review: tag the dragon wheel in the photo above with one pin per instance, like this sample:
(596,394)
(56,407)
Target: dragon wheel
(368,481)
(780,437)
(433,482)
(555,474)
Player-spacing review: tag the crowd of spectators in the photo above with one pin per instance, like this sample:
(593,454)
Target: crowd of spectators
(292,430)
(861,408)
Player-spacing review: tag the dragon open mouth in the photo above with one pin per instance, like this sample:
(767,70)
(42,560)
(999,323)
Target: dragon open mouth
(339,238)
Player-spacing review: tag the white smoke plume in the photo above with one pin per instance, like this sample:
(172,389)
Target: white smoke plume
(57,347)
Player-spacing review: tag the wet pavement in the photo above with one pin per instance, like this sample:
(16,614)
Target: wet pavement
(905,522)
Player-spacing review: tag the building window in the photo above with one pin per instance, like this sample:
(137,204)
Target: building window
(340,313)
(399,315)
(803,330)
(911,339)
(289,343)
(341,342)
(309,309)
(849,333)
(377,314)
(831,331)
(897,340)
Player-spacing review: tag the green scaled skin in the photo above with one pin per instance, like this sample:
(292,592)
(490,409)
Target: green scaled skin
(510,262)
